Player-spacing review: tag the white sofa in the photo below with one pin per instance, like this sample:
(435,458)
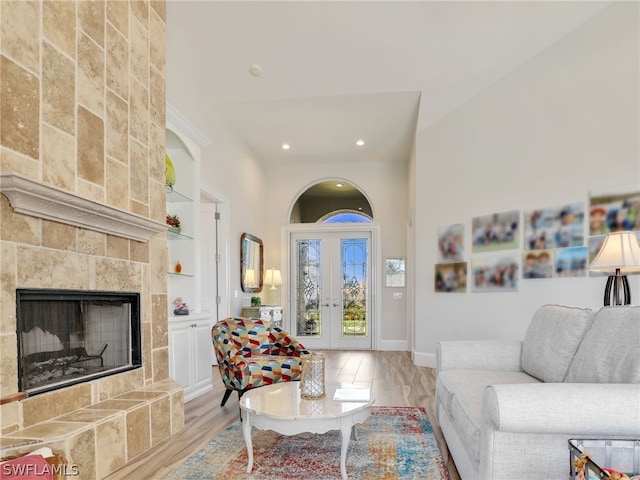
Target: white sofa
(508,408)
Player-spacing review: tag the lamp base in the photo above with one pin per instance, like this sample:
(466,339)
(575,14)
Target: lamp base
(272,295)
(617,291)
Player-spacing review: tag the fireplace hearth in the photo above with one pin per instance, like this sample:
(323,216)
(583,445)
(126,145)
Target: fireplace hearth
(67,337)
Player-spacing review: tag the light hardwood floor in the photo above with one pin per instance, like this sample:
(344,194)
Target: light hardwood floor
(392,376)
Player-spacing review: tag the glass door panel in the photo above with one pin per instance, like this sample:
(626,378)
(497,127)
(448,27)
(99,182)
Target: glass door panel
(351,286)
(330,289)
(308,288)
(354,287)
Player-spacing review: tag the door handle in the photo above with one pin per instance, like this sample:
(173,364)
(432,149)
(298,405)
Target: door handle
(336,304)
(326,305)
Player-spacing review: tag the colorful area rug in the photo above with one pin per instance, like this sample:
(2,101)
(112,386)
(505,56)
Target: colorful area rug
(394,443)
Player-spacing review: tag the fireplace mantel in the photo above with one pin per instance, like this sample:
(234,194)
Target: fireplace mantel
(31,197)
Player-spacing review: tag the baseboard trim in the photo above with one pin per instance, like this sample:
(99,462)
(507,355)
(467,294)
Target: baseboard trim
(423,359)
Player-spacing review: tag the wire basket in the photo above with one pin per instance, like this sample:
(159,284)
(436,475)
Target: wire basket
(592,459)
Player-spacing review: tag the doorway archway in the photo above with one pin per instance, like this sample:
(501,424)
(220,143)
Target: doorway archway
(331,201)
(333,253)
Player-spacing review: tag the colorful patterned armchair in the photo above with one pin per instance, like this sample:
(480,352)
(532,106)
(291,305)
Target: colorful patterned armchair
(251,353)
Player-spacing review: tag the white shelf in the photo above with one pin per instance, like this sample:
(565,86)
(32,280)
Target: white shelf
(178,236)
(183,201)
(190,351)
(192,316)
(173,196)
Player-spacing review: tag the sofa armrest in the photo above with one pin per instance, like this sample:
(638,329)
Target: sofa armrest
(479,355)
(569,408)
(223,346)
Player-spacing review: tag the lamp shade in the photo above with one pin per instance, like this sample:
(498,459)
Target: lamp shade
(620,250)
(250,277)
(273,277)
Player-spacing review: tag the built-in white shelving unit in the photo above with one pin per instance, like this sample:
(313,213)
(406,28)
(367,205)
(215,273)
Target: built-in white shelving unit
(189,335)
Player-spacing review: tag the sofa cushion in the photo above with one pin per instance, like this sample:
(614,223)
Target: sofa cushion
(552,339)
(268,369)
(610,351)
(460,394)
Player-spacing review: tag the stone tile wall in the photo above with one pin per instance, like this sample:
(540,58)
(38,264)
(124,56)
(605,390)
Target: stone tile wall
(82,108)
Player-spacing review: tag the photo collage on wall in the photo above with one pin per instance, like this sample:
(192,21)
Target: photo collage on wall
(451,269)
(495,238)
(554,244)
(612,210)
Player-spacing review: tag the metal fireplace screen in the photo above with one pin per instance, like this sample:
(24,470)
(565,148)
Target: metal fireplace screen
(67,337)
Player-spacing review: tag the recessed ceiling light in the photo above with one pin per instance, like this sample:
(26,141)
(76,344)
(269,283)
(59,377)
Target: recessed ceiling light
(339,185)
(360,143)
(286,146)
(255,70)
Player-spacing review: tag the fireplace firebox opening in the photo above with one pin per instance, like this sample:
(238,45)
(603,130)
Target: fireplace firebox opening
(67,337)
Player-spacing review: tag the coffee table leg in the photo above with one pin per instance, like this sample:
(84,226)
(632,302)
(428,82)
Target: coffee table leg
(345,429)
(246,430)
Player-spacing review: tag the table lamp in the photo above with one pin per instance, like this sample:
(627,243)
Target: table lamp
(272,277)
(619,255)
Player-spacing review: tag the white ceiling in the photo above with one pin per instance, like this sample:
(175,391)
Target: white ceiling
(336,71)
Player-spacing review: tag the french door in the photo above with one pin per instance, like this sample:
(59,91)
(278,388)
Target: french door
(330,288)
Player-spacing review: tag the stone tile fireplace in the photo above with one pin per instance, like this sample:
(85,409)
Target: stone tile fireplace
(103,422)
(82,206)
(66,337)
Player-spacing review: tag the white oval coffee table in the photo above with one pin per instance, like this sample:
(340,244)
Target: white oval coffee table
(279,407)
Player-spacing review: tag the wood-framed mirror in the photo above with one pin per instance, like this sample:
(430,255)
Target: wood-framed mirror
(251,263)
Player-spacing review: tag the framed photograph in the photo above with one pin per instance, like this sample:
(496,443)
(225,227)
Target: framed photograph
(394,272)
(594,245)
(451,277)
(495,272)
(451,243)
(556,227)
(614,210)
(572,262)
(498,231)
(537,264)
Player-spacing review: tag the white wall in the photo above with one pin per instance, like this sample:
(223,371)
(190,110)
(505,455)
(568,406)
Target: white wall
(562,124)
(230,169)
(228,166)
(385,185)
(260,201)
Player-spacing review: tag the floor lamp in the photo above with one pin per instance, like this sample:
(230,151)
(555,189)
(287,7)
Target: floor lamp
(618,255)
(272,277)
